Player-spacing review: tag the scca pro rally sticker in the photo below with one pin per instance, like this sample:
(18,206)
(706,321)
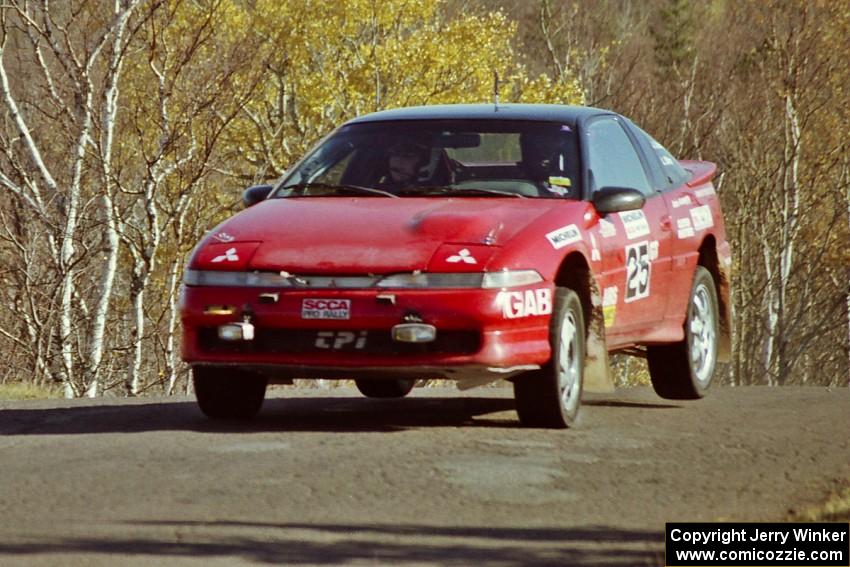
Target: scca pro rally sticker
(635,224)
(564,236)
(326,309)
(517,304)
(638,271)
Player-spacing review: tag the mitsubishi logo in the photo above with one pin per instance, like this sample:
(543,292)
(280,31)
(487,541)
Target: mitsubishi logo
(228,256)
(463,256)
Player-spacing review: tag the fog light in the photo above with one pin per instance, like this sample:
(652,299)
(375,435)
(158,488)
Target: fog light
(414,333)
(236,332)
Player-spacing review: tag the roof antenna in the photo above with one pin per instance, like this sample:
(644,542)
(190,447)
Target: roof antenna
(496,90)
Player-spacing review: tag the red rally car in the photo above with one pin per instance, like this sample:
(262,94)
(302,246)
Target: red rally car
(466,242)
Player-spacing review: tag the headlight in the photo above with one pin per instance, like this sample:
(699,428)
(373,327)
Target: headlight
(510,278)
(486,280)
(420,280)
(234,279)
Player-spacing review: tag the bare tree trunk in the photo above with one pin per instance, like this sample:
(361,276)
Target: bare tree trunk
(171,362)
(138,301)
(69,75)
(110,236)
(790,224)
(845,178)
(110,267)
(170,352)
(771,315)
(66,318)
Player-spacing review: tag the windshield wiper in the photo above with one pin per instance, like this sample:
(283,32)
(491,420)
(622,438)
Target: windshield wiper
(479,191)
(336,188)
(449,190)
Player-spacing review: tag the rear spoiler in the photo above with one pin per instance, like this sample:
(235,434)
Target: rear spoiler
(701,171)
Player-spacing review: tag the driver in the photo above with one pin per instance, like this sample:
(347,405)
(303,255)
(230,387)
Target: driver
(405,158)
(545,157)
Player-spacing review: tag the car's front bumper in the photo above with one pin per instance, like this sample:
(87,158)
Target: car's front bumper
(474,334)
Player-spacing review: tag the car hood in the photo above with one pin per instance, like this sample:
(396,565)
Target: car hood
(337,235)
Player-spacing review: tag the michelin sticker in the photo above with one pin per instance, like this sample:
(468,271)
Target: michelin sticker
(518,304)
(564,236)
(684,229)
(635,224)
(607,229)
(702,217)
(609,305)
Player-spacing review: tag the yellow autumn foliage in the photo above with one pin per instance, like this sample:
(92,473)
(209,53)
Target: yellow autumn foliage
(327,62)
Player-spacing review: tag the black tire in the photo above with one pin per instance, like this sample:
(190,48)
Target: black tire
(385,388)
(551,397)
(225,393)
(684,370)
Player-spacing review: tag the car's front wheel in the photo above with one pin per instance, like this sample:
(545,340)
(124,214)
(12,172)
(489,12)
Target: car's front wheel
(684,370)
(385,388)
(228,393)
(550,397)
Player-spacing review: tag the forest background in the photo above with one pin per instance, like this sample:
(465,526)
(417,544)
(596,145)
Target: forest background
(130,127)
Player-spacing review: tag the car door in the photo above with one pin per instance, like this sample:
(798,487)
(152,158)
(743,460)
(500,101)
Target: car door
(635,245)
(690,213)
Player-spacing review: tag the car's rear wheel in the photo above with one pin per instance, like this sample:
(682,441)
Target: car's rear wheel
(684,370)
(385,388)
(228,393)
(551,397)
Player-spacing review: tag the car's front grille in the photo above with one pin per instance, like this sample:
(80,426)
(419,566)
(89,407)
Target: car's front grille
(376,342)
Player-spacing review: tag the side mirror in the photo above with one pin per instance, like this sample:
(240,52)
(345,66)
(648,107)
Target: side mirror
(617,199)
(253,195)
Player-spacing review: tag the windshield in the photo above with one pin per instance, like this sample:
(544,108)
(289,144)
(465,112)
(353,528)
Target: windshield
(420,158)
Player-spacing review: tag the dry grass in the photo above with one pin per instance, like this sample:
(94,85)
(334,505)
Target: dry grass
(22,391)
(835,508)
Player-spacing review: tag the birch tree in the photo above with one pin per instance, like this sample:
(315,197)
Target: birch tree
(201,73)
(74,59)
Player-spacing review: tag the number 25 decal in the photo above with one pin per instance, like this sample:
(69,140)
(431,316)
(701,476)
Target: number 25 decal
(638,270)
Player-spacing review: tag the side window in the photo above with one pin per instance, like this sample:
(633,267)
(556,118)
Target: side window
(675,174)
(613,159)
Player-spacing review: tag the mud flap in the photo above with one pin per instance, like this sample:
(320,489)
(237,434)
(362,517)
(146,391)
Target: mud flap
(597,369)
(724,343)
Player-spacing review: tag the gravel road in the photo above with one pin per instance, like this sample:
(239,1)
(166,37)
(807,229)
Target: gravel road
(439,478)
